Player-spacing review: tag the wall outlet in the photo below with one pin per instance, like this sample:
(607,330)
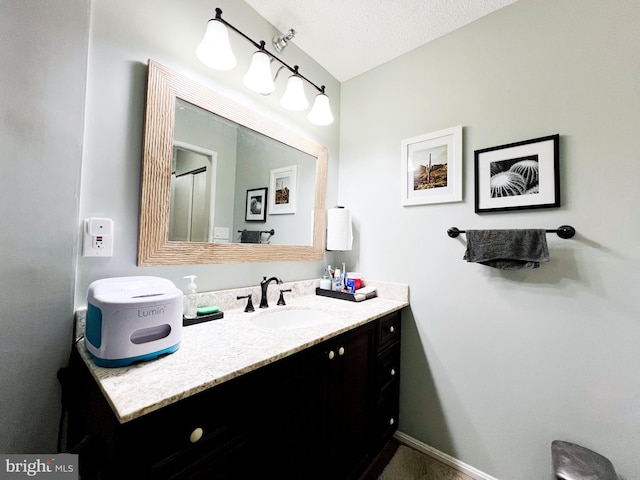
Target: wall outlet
(97,237)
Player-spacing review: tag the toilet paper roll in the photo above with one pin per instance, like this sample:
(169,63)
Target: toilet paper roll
(339,229)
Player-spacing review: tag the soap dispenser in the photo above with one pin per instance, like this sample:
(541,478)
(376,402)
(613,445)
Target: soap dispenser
(191,300)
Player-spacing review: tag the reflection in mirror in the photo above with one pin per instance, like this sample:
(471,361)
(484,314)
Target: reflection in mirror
(193,183)
(216,162)
(204,155)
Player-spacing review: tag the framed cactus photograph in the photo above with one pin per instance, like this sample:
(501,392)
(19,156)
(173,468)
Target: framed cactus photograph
(432,167)
(517,176)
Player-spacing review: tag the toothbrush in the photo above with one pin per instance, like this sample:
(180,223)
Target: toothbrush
(343,277)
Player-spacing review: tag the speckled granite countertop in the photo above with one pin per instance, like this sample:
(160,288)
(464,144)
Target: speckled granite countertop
(216,351)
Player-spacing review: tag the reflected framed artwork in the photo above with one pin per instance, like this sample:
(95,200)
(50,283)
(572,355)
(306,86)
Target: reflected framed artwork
(432,167)
(283,190)
(256,210)
(518,176)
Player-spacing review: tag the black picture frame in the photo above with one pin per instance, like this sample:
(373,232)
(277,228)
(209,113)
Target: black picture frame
(256,207)
(518,176)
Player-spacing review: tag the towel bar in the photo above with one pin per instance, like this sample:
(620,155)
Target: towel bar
(564,231)
(270,232)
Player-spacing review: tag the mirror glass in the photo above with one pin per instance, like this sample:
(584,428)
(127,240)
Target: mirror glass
(220,173)
(221,183)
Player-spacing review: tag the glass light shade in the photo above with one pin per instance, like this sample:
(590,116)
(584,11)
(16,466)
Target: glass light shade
(294,97)
(215,50)
(320,113)
(258,77)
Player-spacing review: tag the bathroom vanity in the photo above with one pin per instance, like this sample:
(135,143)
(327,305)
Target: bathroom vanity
(245,399)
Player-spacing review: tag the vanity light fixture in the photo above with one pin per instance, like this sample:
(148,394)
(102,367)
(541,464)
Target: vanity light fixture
(215,52)
(294,97)
(320,113)
(258,77)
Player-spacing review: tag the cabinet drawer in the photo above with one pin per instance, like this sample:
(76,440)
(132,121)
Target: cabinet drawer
(387,369)
(218,455)
(202,422)
(387,330)
(386,418)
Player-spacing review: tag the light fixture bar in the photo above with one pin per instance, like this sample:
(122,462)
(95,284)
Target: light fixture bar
(261,45)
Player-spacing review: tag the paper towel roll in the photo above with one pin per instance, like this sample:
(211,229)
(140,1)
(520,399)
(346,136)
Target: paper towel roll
(339,231)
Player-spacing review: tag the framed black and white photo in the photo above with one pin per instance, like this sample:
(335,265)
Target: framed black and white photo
(518,176)
(432,167)
(256,210)
(283,190)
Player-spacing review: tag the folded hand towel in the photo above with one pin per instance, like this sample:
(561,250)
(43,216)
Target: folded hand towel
(250,236)
(507,249)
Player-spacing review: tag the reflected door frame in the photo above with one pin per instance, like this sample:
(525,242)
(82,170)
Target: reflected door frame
(212,158)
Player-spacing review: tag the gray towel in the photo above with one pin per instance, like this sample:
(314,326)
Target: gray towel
(507,249)
(250,236)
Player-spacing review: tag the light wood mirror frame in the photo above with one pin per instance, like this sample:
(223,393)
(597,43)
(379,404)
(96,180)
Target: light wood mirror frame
(154,247)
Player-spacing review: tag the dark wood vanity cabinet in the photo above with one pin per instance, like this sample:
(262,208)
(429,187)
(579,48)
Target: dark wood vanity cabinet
(321,413)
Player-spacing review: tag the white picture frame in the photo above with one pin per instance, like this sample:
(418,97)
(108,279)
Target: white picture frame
(282,190)
(431,168)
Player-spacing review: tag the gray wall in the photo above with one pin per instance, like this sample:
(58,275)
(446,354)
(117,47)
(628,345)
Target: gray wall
(43,49)
(497,365)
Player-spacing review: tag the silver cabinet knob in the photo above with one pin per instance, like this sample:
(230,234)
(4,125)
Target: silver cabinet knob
(331,355)
(341,351)
(393,372)
(392,329)
(196,435)
(392,421)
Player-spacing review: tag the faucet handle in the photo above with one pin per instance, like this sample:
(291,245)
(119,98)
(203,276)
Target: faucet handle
(281,299)
(249,307)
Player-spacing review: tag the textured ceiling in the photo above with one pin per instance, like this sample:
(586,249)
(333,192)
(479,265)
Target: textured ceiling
(349,37)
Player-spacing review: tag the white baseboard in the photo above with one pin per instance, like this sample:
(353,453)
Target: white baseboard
(442,457)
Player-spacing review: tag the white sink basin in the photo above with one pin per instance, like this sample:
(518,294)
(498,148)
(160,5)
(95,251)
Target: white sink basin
(292,318)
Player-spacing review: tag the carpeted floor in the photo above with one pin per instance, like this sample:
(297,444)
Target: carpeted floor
(409,464)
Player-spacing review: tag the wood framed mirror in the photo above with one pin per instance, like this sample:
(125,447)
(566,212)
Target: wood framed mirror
(158,242)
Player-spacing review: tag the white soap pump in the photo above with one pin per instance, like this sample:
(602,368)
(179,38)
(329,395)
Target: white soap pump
(190,302)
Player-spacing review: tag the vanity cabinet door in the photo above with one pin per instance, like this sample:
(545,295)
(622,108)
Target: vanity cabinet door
(348,393)
(285,415)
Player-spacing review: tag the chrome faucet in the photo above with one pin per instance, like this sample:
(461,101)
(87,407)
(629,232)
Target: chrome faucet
(264,284)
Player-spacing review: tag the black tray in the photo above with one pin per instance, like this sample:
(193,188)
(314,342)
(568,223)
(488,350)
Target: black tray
(202,318)
(341,295)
